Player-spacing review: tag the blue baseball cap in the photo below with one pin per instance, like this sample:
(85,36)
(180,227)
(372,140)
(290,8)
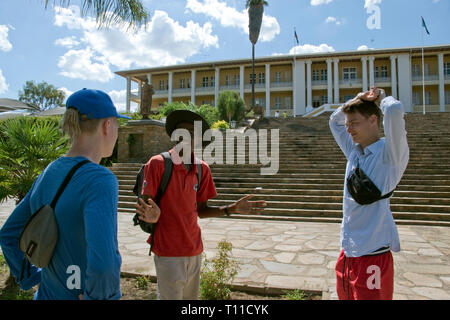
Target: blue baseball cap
(93,104)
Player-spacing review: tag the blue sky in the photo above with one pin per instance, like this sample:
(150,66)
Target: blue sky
(68,51)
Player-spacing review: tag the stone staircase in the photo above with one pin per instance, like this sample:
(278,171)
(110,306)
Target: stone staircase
(309,182)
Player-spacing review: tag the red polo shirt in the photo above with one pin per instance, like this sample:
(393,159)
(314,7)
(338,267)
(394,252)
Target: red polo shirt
(178,233)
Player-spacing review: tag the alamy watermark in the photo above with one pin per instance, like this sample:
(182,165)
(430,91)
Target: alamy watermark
(374,21)
(213,153)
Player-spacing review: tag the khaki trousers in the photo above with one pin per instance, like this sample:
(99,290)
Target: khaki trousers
(178,278)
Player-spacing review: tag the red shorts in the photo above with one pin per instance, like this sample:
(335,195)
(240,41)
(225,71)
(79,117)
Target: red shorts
(365,278)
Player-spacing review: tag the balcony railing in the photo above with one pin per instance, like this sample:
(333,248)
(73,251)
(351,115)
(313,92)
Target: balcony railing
(161,92)
(350,82)
(257,85)
(319,82)
(280,84)
(182,90)
(430,77)
(230,87)
(382,79)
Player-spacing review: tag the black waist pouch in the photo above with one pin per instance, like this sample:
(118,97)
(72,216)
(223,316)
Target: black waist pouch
(362,189)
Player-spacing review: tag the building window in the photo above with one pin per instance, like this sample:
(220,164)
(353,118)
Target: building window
(447,68)
(315,75)
(323,75)
(205,82)
(287,76)
(349,74)
(237,80)
(416,98)
(324,100)
(415,70)
(277,77)
(316,102)
(260,102)
(347,98)
(428,99)
(182,83)
(287,102)
(213,81)
(227,80)
(447,97)
(252,76)
(161,85)
(262,78)
(381,72)
(277,103)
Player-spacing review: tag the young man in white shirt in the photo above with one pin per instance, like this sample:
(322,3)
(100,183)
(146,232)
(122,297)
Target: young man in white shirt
(365,268)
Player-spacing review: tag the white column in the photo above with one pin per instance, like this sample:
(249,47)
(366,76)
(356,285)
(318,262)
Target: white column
(193,85)
(299,88)
(267,78)
(308,84)
(170,86)
(371,72)
(364,74)
(441,82)
(405,81)
(128,94)
(394,76)
(149,78)
(336,81)
(216,86)
(241,82)
(330,80)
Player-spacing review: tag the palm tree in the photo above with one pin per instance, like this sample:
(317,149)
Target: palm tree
(109,11)
(255,16)
(27,146)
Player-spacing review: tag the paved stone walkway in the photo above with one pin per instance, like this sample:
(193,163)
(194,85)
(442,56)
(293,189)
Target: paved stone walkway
(278,255)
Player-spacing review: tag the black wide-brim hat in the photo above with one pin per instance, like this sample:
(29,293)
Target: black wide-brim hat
(179,116)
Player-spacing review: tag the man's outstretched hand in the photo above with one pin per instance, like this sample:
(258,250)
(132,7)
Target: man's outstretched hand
(244,206)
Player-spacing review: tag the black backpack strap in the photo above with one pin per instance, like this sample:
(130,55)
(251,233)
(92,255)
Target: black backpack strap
(66,182)
(137,189)
(199,174)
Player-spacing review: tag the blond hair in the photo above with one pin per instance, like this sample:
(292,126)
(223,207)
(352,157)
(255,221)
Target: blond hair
(71,125)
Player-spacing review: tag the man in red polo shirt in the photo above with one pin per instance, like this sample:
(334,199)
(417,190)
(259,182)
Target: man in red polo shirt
(177,239)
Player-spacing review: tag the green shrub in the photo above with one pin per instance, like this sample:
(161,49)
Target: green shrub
(218,273)
(294,295)
(221,124)
(231,106)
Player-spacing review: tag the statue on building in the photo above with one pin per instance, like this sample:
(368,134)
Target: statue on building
(147,92)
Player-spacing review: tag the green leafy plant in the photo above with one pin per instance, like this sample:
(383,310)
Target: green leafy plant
(142,282)
(218,273)
(27,146)
(231,106)
(294,295)
(221,124)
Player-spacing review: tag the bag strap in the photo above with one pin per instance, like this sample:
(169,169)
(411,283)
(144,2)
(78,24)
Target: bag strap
(66,181)
(168,168)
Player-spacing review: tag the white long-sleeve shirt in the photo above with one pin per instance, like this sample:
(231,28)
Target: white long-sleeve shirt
(366,228)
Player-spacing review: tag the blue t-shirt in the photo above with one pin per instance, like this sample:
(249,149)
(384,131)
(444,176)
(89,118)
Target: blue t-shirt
(86,259)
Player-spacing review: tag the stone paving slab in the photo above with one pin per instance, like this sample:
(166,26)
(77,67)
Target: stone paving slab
(277,255)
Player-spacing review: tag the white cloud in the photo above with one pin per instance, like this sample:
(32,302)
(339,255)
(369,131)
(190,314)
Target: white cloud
(320,2)
(230,17)
(5,45)
(81,64)
(334,20)
(162,42)
(309,48)
(364,48)
(67,93)
(3,85)
(68,42)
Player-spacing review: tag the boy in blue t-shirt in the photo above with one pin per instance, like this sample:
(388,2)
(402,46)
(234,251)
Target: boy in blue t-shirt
(86,261)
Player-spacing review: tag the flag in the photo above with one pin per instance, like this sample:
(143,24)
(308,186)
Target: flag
(296,37)
(425,26)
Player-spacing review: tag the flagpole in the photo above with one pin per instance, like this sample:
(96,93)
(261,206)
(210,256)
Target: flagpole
(423,75)
(294,78)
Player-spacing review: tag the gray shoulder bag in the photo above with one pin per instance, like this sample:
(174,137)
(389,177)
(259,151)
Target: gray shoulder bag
(40,234)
